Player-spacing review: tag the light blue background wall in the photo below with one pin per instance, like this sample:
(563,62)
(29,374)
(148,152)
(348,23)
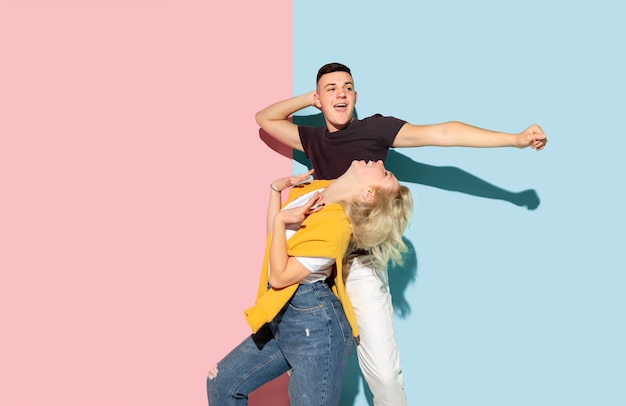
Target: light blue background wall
(508,305)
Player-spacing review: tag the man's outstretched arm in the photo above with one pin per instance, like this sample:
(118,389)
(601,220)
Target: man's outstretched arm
(274,119)
(457,134)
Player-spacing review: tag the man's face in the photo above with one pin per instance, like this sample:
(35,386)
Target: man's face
(336,97)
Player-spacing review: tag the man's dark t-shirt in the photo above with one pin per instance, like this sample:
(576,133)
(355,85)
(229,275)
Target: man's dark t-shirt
(332,153)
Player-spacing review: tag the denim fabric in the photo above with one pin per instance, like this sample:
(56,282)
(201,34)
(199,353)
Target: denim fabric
(310,335)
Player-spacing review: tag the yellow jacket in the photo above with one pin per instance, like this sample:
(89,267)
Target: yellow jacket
(322,234)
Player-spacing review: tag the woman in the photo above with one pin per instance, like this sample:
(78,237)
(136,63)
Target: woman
(303,321)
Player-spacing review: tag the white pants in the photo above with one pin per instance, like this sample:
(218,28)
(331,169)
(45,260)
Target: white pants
(378,353)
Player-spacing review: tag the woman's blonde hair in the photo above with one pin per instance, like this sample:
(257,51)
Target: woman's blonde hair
(378,226)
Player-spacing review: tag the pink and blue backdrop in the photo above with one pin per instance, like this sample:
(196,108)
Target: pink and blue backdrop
(133,181)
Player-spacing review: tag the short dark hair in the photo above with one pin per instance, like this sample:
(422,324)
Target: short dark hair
(332,67)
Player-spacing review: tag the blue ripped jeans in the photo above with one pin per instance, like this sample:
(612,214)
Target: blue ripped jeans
(310,335)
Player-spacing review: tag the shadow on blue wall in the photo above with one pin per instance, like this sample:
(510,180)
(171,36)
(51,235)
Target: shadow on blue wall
(406,170)
(442,177)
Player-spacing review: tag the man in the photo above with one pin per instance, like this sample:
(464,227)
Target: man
(331,149)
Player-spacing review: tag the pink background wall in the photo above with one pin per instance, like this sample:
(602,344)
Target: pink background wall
(126,132)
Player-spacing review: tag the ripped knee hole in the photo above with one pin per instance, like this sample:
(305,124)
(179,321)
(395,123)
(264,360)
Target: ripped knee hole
(213,372)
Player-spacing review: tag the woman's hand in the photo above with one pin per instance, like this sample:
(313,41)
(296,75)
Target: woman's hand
(283,183)
(298,214)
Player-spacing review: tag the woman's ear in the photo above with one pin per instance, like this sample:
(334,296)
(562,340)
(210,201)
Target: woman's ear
(369,195)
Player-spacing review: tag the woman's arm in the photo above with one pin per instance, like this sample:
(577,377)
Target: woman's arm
(273,206)
(276,188)
(286,270)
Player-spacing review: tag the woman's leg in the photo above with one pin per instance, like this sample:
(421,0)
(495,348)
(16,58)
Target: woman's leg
(378,353)
(316,339)
(252,363)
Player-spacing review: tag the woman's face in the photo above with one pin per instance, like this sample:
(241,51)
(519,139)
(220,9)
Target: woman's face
(374,174)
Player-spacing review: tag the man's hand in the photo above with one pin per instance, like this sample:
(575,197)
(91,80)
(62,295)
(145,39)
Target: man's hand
(532,137)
